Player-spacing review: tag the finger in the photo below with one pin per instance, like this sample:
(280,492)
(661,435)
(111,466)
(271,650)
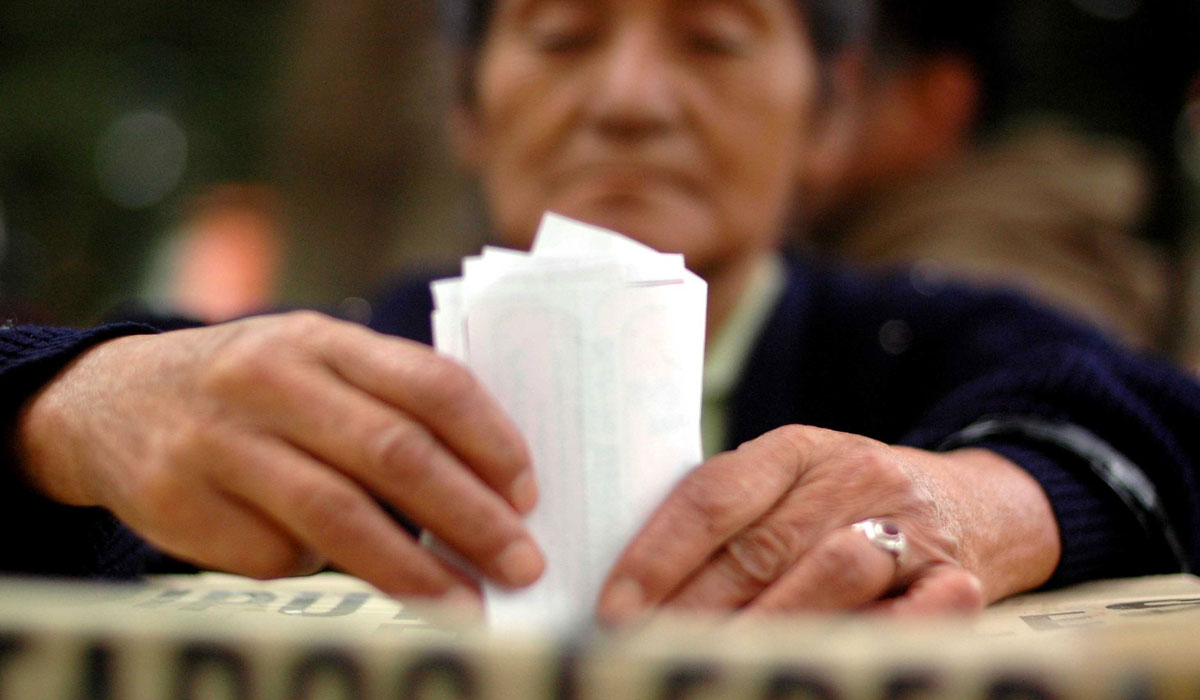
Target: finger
(752,559)
(335,517)
(943,589)
(842,572)
(444,396)
(713,502)
(864,477)
(397,459)
(212,530)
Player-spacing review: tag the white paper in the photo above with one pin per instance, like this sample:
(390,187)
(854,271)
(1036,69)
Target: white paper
(594,345)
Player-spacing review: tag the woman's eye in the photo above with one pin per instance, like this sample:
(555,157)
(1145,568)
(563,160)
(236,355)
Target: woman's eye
(718,43)
(720,27)
(559,28)
(562,40)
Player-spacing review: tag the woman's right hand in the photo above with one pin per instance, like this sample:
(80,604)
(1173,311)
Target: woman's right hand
(260,447)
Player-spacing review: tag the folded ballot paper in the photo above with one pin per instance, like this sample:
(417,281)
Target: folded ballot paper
(594,345)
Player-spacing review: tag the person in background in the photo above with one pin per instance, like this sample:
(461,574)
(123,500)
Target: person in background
(1188,145)
(889,443)
(365,173)
(942,174)
(225,256)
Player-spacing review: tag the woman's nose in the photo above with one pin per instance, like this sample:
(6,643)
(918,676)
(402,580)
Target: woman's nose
(634,90)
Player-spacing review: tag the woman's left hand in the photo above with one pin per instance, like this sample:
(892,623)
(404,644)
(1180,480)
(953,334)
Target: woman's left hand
(769,527)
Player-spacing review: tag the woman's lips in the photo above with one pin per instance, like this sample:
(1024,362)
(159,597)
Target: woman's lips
(628,179)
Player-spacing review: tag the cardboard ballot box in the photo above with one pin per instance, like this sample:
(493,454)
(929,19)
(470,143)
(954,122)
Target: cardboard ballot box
(329,636)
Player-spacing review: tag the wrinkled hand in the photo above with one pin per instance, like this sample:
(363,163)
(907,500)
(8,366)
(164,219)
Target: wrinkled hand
(767,527)
(260,446)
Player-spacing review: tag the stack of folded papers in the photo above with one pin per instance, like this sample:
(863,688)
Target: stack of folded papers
(594,345)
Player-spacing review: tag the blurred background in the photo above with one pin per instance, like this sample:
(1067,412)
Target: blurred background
(219,156)
(187,153)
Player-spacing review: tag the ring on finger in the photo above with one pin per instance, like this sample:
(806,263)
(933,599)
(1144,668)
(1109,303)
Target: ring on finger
(885,535)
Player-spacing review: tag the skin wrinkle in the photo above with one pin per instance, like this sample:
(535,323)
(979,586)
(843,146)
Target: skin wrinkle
(762,552)
(935,496)
(219,428)
(644,97)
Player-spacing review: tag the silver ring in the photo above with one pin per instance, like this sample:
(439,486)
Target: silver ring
(885,535)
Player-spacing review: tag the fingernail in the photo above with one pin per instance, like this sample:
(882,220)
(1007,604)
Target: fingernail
(623,600)
(520,564)
(523,492)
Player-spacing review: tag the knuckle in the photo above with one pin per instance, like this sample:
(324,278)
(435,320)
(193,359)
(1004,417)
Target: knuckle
(179,447)
(711,504)
(304,323)
(788,445)
(762,553)
(245,362)
(446,385)
(793,437)
(494,534)
(323,509)
(834,560)
(402,450)
(877,464)
(876,468)
(251,357)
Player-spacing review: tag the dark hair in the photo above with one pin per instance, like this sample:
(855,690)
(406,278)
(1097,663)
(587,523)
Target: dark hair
(908,31)
(833,24)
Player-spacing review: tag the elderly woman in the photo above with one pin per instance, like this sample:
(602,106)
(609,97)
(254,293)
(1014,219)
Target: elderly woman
(905,445)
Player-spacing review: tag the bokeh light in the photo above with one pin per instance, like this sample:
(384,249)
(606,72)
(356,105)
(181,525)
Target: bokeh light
(1113,10)
(141,158)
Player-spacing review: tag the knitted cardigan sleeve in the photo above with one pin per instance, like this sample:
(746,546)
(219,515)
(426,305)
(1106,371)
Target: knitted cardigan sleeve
(1107,432)
(1132,415)
(43,537)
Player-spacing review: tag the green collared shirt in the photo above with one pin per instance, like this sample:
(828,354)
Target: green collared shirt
(726,355)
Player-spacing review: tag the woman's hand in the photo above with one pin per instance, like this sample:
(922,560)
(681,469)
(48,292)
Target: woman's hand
(768,527)
(260,447)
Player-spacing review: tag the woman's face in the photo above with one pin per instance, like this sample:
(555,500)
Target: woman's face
(682,123)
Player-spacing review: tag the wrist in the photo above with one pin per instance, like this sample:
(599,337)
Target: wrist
(46,443)
(34,358)
(1003,518)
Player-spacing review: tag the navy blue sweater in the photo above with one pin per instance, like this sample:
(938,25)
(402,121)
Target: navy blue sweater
(1108,434)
